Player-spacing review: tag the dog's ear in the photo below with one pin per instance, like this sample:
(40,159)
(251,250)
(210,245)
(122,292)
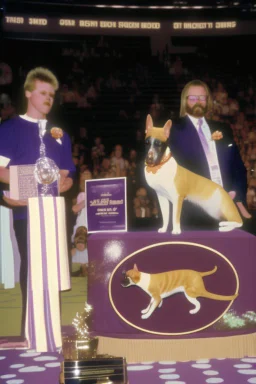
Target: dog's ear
(135,267)
(149,123)
(167,128)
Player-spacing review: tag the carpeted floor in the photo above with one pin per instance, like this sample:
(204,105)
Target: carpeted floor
(29,367)
(10,306)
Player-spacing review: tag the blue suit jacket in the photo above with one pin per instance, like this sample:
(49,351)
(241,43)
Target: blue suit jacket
(188,151)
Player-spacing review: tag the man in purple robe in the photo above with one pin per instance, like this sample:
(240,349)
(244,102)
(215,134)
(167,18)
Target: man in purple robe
(20,145)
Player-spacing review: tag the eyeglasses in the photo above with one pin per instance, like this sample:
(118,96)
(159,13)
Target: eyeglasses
(196,98)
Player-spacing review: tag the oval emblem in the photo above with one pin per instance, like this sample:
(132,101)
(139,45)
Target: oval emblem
(173,288)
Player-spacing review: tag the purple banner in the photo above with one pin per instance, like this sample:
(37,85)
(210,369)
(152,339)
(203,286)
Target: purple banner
(106,205)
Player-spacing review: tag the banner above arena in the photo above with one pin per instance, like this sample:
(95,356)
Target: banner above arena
(104,26)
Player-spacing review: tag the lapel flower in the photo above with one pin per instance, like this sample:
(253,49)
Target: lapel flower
(217,135)
(56,133)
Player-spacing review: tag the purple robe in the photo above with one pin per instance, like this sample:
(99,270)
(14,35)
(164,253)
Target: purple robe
(20,142)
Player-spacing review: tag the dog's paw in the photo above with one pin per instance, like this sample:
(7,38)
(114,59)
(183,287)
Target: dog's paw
(145,316)
(162,230)
(176,231)
(144,310)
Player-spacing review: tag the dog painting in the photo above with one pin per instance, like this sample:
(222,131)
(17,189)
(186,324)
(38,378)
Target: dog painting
(173,183)
(161,285)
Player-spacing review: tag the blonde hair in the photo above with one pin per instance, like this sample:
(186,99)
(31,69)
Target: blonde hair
(80,240)
(184,95)
(86,175)
(42,74)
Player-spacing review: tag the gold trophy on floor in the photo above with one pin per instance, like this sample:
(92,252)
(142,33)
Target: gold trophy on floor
(82,364)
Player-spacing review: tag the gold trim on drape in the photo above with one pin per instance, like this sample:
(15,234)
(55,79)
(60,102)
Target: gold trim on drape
(137,351)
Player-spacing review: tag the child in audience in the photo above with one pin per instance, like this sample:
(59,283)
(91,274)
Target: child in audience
(79,252)
(79,208)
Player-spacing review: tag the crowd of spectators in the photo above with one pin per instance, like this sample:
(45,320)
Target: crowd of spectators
(107,87)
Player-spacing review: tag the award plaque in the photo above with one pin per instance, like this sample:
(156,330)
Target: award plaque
(82,364)
(24,183)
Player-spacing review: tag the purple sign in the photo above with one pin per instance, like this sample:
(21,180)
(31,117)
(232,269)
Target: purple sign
(106,205)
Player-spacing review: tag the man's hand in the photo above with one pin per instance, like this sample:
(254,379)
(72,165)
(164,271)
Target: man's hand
(15,203)
(232,194)
(4,175)
(65,182)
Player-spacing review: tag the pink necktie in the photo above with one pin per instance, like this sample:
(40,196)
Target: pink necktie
(202,137)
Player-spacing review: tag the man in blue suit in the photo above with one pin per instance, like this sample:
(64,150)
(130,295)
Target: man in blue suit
(207,148)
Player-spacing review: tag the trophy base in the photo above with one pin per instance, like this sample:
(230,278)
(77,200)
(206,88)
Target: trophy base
(97,370)
(79,348)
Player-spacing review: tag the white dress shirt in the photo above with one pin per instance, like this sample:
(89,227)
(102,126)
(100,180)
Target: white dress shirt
(211,155)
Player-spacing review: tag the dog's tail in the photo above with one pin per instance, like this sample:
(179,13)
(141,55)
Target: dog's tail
(208,272)
(213,296)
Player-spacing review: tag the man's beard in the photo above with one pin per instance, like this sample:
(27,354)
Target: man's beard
(197,110)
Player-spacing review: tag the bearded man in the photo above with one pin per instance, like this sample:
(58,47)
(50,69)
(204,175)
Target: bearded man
(207,148)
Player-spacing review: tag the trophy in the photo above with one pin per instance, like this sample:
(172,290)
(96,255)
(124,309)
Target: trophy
(46,174)
(46,171)
(81,346)
(82,364)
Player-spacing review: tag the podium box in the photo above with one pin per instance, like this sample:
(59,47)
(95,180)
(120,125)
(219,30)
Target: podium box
(220,329)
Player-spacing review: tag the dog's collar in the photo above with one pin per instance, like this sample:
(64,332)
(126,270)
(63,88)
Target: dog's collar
(155,168)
